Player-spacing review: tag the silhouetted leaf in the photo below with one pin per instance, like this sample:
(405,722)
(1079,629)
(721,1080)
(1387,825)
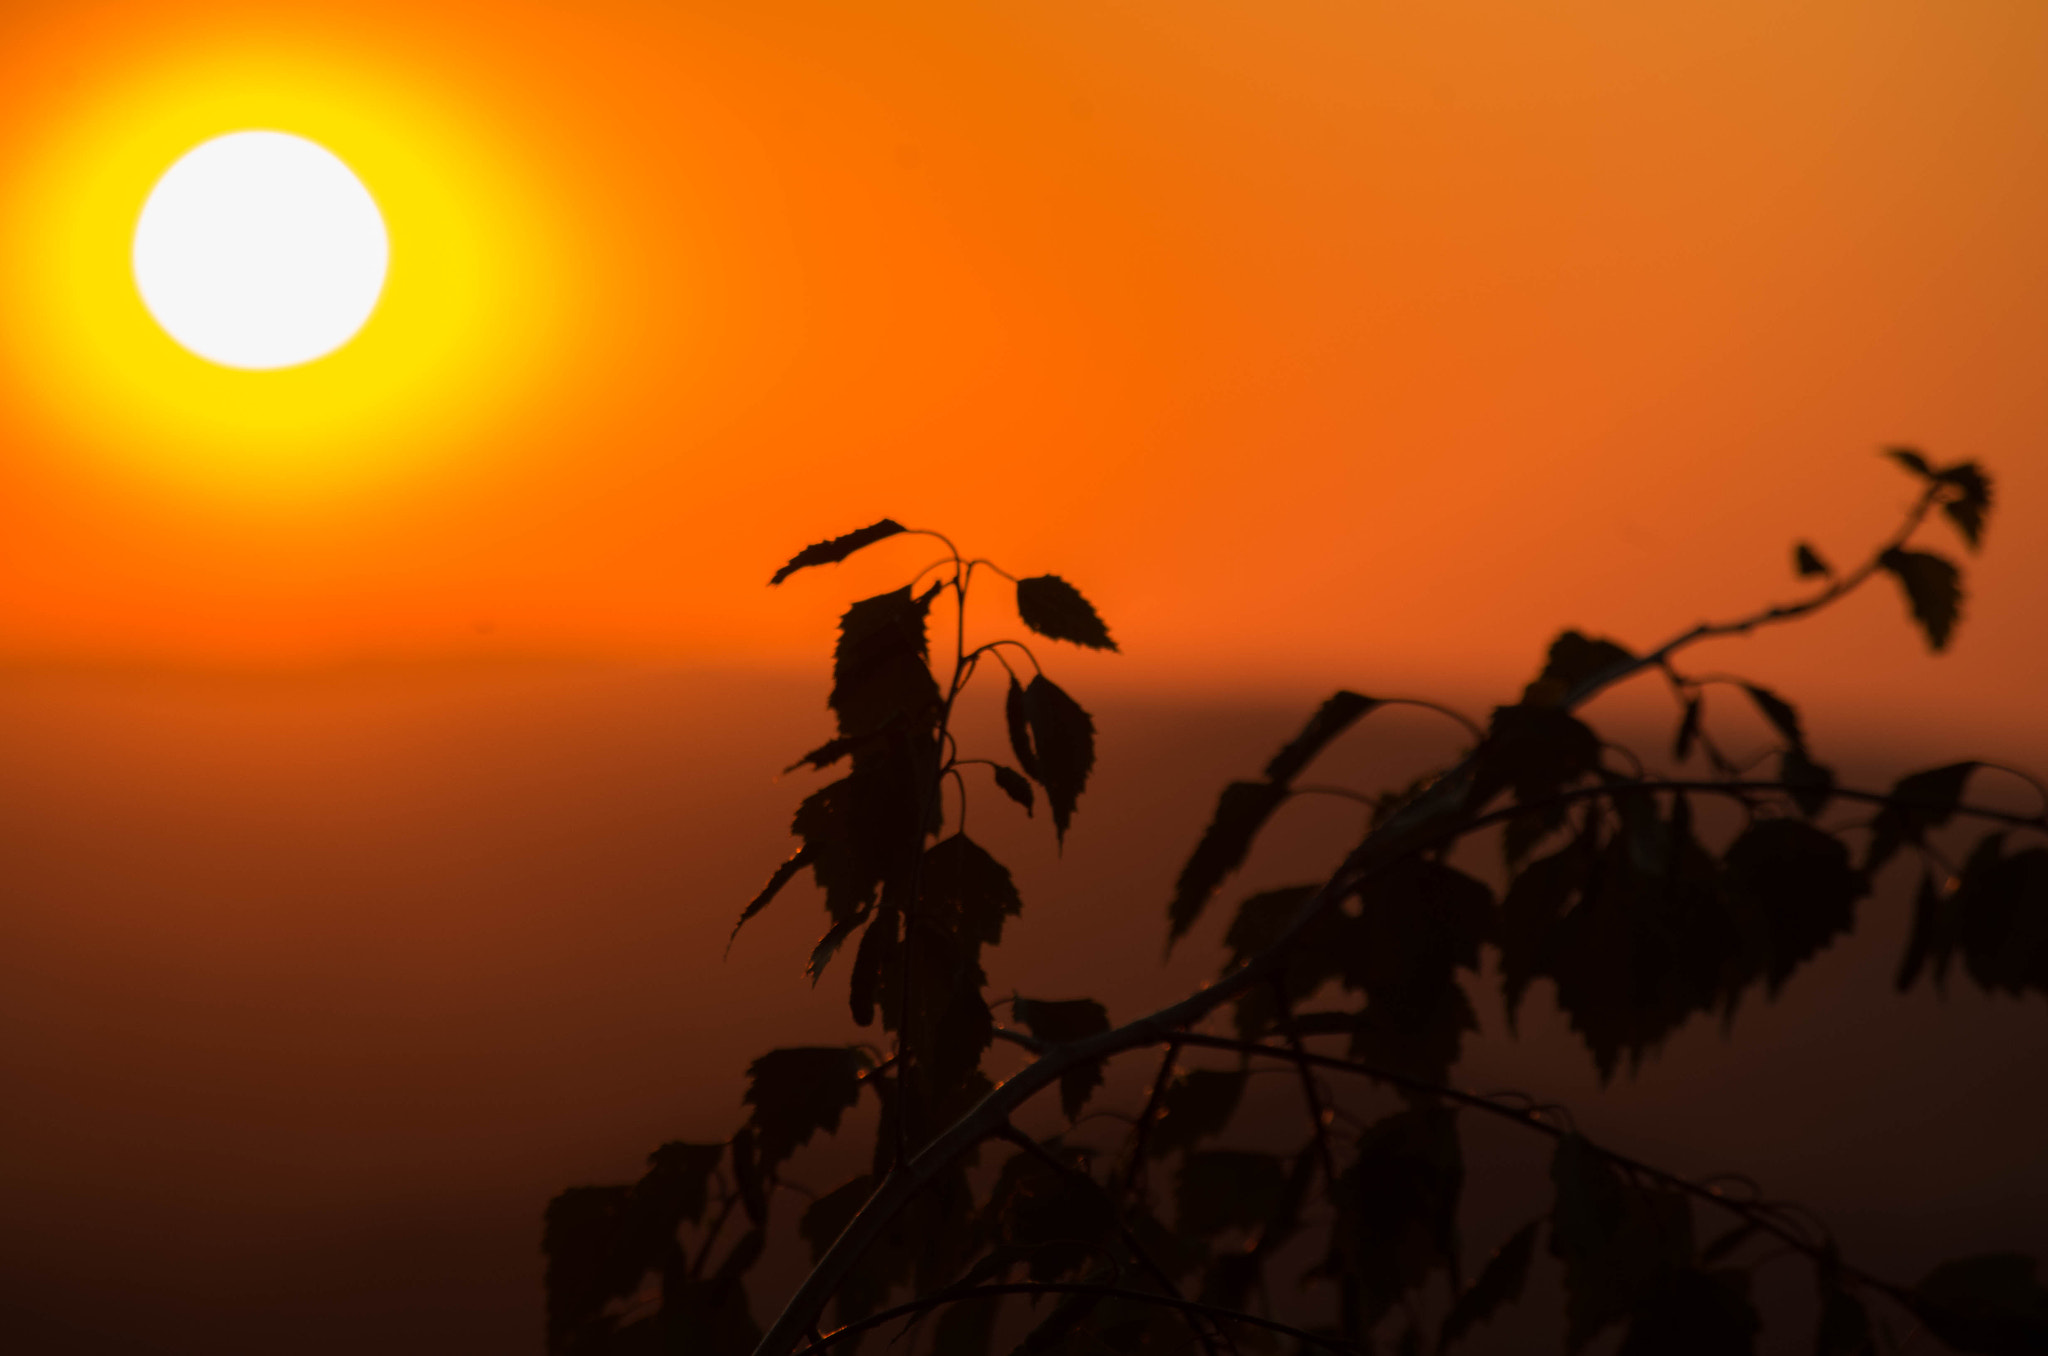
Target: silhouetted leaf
(965,892)
(1535,902)
(1971,503)
(1500,1282)
(1934,591)
(837,549)
(1807,562)
(799,1091)
(746,1174)
(1058,1216)
(1688,729)
(966,1328)
(826,754)
(1811,785)
(1912,460)
(1018,716)
(1929,937)
(1397,1206)
(1337,714)
(1990,1304)
(1782,715)
(1052,607)
(1694,1313)
(1998,916)
(879,673)
(1220,1189)
(1536,750)
(877,951)
(1797,888)
(1574,659)
(1196,1106)
(1014,784)
(1844,1327)
(1619,1244)
(677,1185)
(1063,741)
(782,876)
(1240,813)
(1922,801)
(1062,1023)
(1418,923)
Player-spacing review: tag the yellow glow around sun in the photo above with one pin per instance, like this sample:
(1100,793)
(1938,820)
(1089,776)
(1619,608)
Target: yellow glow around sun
(475,310)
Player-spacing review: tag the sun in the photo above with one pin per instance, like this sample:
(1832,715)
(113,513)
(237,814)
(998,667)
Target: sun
(260,250)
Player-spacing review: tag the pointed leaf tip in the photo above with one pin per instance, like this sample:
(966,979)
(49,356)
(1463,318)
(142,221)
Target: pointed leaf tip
(838,548)
(1806,562)
(1934,591)
(1052,607)
(1912,460)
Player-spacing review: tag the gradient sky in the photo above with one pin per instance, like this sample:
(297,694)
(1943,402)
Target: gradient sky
(1318,341)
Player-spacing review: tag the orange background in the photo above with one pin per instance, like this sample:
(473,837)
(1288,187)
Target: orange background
(1318,341)
(387,757)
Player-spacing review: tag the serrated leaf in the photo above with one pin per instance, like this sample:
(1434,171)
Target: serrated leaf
(782,876)
(1535,902)
(1241,812)
(1062,1023)
(877,949)
(1573,659)
(1971,503)
(1806,562)
(826,754)
(1933,588)
(1014,784)
(1990,1304)
(1337,714)
(1052,607)
(879,670)
(1912,460)
(1499,1282)
(828,946)
(1063,743)
(746,1174)
(1397,1205)
(1811,785)
(1783,716)
(1536,750)
(837,549)
(799,1091)
(1688,729)
(965,892)
(1797,891)
(1220,1189)
(1017,715)
(1999,918)
(1917,803)
(1196,1106)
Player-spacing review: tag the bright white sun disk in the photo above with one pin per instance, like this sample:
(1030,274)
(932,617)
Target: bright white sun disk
(260,250)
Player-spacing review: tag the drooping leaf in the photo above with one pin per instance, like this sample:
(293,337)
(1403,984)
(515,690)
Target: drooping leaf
(1574,659)
(1933,588)
(1917,803)
(1063,742)
(1929,941)
(1220,1189)
(1536,751)
(1782,715)
(828,946)
(1014,784)
(798,1091)
(1811,785)
(1017,715)
(826,754)
(1535,902)
(1338,713)
(1694,1313)
(1397,1207)
(1418,923)
(1618,1243)
(746,1174)
(965,892)
(1971,503)
(837,549)
(1052,607)
(1912,460)
(1196,1106)
(1807,562)
(677,1185)
(1796,889)
(879,671)
(782,876)
(1688,729)
(1990,1304)
(1062,1023)
(1998,918)
(1844,1327)
(1241,812)
(876,952)
(1499,1282)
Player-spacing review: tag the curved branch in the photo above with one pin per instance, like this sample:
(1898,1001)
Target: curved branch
(1438,813)
(1192,1307)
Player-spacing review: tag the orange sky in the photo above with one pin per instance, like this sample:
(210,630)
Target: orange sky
(1319,341)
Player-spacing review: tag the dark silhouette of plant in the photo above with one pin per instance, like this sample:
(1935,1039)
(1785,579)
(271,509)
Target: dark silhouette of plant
(1165,1242)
